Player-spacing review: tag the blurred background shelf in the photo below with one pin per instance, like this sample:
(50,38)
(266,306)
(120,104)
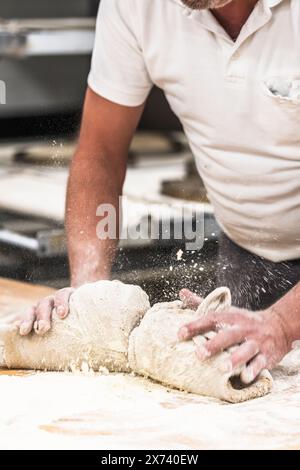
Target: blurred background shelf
(46,38)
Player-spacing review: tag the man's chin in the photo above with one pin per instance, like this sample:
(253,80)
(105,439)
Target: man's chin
(205,4)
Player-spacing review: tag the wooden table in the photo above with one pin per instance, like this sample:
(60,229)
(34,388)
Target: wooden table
(119,411)
(15,296)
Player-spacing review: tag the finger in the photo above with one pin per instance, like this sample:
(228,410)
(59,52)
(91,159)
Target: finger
(232,317)
(253,369)
(61,302)
(43,315)
(243,354)
(212,321)
(26,324)
(197,327)
(189,299)
(223,340)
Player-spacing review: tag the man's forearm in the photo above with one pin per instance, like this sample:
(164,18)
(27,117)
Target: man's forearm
(96,177)
(288,311)
(93,181)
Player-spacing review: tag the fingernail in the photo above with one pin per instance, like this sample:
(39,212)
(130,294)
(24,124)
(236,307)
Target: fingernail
(41,327)
(61,311)
(25,328)
(183,333)
(247,375)
(202,353)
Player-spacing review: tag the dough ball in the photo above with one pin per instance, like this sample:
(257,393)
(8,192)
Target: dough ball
(94,334)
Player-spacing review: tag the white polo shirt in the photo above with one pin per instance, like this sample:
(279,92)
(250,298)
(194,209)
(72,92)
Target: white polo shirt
(239,103)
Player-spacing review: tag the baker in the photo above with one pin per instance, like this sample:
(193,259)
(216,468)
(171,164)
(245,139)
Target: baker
(230,70)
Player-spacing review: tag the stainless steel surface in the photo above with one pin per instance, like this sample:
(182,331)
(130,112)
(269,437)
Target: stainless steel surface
(11,44)
(16,240)
(47,8)
(43,85)
(45,243)
(45,51)
(27,25)
(19,38)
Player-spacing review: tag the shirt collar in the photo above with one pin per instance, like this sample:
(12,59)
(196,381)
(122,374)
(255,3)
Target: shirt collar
(270,3)
(261,15)
(273,3)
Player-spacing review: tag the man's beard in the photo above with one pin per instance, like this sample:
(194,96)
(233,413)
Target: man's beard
(205,4)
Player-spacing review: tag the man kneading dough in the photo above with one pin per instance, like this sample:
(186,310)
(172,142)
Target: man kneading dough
(111,326)
(230,71)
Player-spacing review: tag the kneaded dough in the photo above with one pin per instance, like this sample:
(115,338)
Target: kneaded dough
(155,352)
(111,325)
(95,333)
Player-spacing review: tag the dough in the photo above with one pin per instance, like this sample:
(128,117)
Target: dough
(111,325)
(94,335)
(154,351)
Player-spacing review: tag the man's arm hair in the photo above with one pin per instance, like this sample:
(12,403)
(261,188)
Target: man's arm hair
(96,177)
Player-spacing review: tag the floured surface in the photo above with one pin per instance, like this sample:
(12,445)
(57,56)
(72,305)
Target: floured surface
(64,411)
(58,410)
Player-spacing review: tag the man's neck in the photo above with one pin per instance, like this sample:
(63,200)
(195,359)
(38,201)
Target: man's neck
(234,15)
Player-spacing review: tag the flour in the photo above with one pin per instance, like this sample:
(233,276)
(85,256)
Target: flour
(120,411)
(111,326)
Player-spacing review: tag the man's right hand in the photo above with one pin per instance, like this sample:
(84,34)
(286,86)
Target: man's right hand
(39,316)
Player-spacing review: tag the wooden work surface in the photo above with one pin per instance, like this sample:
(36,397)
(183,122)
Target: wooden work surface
(15,296)
(119,411)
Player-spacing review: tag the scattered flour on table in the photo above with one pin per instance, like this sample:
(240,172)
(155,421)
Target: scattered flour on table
(119,411)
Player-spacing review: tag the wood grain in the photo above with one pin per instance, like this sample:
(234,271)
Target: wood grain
(17,296)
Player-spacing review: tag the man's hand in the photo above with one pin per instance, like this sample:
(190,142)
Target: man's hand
(39,316)
(261,336)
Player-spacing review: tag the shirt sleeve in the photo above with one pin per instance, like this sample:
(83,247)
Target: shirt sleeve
(118,71)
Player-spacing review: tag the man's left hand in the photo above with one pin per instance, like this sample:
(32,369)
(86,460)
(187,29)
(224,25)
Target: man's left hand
(261,337)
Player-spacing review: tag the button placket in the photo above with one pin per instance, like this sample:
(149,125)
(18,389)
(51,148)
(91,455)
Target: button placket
(234,71)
